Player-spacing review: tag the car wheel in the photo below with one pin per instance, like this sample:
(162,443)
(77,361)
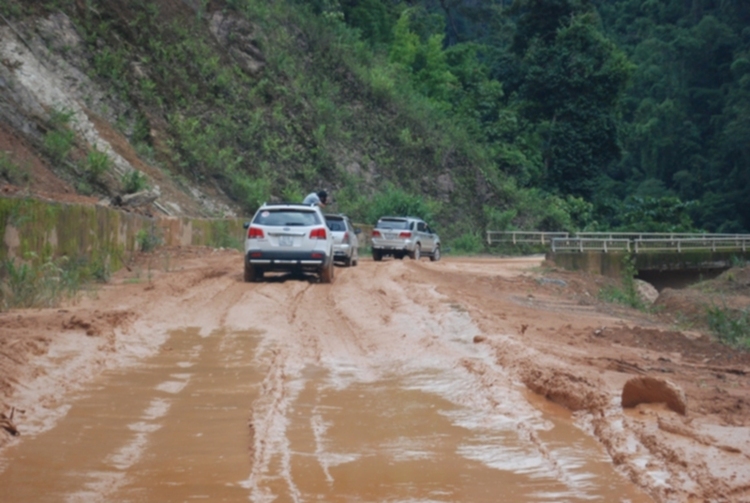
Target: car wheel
(435,255)
(252,273)
(377,255)
(417,253)
(326,273)
(347,261)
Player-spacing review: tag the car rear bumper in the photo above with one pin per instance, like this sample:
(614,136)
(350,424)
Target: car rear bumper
(391,245)
(342,250)
(287,260)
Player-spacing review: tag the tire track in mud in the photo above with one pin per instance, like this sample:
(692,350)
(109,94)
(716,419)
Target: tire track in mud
(370,328)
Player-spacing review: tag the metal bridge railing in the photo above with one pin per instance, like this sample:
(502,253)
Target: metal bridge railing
(638,242)
(590,244)
(523,237)
(689,244)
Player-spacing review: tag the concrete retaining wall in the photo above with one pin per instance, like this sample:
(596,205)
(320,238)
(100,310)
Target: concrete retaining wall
(34,230)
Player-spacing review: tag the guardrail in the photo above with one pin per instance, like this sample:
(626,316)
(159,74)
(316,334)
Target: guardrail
(637,242)
(689,244)
(582,245)
(523,237)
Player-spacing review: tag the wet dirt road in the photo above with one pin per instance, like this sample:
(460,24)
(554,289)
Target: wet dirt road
(375,388)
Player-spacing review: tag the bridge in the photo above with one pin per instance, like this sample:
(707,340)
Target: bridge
(654,254)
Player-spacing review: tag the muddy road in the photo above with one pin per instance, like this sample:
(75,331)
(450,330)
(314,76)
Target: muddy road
(471,380)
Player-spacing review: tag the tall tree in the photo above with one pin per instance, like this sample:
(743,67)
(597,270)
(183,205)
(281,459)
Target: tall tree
(573,78)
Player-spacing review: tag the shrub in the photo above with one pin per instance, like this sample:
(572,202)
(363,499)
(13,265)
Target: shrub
(134,181)
(397,202)
(97,163)
(148,239)
(59,143)
(59,140)
(12,171)
(41,284)
(626,293)
(730,326)
(468,242)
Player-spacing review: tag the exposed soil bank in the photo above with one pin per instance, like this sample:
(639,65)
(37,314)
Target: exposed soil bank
(444,346)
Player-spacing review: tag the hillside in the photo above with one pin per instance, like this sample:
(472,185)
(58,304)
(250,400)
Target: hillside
(567,115)
(214,108)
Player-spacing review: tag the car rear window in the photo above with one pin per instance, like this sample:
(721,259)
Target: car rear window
(336,225)
(286,218)
(392,224)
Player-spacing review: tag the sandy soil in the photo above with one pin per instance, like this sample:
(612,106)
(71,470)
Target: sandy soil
(541,327)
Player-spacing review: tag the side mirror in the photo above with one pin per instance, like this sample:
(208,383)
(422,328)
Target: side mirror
(357,230)
(246,225)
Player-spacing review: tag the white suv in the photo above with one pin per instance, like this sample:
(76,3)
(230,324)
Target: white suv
(288,237)
(404,236)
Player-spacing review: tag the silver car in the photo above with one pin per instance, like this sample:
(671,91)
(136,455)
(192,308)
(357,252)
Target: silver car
(404,236)
(288,237)
(345,239)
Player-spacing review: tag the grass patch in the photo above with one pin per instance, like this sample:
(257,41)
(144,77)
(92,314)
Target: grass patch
(11,171)
(134,181)
(223,237)
(46,283)
(148,239)
(626,292)
(731,326)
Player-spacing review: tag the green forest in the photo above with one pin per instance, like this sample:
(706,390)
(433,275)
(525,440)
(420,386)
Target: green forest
(635,112)
(616,115)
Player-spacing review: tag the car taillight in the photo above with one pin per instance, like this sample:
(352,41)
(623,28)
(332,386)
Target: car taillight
(346,238)
(405,235)
(319,233)
(255,233)
(376,234)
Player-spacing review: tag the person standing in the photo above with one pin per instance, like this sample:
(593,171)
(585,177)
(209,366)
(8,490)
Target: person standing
(320,198)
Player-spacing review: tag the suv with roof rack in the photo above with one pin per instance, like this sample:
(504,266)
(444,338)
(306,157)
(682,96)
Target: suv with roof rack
(404,236)
(288,237)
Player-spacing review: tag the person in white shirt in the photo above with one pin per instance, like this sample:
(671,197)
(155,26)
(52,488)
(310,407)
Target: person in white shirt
(320,198)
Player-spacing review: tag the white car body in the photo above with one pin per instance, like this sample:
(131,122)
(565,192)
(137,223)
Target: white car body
(404,236)
(345,239)
(288,237)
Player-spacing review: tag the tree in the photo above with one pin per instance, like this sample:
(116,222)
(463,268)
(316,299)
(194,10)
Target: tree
(574,78)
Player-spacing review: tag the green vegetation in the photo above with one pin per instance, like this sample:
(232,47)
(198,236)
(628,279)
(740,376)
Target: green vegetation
(222,236)
(59,142)
(37,283)
(627,292)
(134,181)
(11,171)
(148,239)
(525,114)
(731,326)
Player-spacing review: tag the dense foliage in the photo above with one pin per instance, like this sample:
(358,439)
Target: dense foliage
(497,114)
(639,108)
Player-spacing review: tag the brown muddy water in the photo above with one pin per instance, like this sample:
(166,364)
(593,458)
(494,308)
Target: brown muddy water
(200,422)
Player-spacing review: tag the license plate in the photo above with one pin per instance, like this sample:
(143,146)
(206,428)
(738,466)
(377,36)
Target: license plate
(286,240)
(389,235)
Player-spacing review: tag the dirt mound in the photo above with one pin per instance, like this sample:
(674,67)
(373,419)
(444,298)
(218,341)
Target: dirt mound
(653,390)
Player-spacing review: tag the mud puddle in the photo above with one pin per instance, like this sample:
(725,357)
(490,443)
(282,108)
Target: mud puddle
(174,429)
(412,430)
(411,439)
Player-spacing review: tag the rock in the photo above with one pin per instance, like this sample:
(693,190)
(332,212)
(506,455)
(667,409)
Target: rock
(479,338)
(239,37)
(141,198)
(552,281)
(644,389)
(646,291)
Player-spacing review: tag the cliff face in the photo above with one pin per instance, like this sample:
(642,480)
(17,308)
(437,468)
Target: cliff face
(54,118)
